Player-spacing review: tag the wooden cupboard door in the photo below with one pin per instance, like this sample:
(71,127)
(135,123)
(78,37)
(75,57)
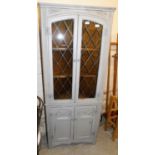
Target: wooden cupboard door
(62,126)
(85,124)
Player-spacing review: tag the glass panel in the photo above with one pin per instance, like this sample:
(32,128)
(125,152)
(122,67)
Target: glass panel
(62,50)
(90,54)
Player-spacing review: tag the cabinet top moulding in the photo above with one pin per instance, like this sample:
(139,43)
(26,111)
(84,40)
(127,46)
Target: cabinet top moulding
(77,7)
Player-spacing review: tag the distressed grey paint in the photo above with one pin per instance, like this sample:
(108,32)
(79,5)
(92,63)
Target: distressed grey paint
(75,120)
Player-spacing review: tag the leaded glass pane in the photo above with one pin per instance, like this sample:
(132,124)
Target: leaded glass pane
(90,55)
(62,50)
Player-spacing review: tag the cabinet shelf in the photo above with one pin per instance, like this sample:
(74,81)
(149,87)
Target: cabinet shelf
(88,75)
(70,76)
(61,49)
(64,49)
(62,76)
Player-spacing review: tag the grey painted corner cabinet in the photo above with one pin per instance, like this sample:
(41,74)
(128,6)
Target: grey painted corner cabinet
(75,43)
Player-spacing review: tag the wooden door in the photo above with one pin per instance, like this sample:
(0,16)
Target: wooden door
(62,126)
(85,124)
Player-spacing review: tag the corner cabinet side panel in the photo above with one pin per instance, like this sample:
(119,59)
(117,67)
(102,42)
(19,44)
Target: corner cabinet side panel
(61,126)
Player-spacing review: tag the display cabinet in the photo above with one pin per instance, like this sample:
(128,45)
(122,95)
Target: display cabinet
(75,43)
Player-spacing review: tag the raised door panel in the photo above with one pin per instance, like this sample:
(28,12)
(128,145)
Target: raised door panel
(85,124)
(62,126)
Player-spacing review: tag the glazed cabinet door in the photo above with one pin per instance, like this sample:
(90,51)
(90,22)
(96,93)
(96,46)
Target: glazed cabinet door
(90,52)
(61,126)
(85,124)
(62,54)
